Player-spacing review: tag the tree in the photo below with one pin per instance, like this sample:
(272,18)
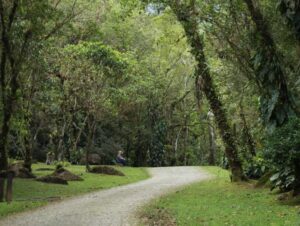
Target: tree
(187,15)
(22,30)
(91,71)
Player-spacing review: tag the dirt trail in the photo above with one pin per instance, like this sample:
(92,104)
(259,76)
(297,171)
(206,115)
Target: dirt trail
(113,207)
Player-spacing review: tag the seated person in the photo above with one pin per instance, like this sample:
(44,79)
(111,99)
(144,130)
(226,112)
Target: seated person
(120,159)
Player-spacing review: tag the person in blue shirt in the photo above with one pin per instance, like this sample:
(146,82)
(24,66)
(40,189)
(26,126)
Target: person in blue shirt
(120,159)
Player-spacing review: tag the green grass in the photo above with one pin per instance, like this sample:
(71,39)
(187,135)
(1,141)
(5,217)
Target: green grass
(29,193)
(218,202)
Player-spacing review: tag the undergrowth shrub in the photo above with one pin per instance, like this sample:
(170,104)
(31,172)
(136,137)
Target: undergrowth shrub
(256,168)
(282,152)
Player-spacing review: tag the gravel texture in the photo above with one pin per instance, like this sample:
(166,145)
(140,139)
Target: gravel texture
(112,207)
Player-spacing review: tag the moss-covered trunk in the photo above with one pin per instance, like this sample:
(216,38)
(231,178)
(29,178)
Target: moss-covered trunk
(189,20)
(212,139)
(90,140)
(9,84)
(247,136)
(28,153)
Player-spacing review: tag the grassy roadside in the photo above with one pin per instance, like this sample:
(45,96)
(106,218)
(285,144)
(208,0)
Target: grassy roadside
(218,202)
(29,194)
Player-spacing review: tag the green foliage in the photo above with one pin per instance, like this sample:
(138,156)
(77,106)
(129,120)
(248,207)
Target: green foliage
(282,151)
(101,55)
(256,168)
(61,164)
(275,102)
(115,60)
(284,179)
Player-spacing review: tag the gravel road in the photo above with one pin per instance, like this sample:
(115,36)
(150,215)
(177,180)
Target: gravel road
(112,207)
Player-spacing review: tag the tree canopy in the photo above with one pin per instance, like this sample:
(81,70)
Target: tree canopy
(168,82)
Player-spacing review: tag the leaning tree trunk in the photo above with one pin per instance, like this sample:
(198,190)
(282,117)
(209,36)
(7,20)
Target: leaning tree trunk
(189,20)
(247,136)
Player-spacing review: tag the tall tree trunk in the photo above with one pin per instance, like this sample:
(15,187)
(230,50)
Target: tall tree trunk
(8,96)
(247,137)
(90,140)
(77,136)
(28,153)
(87,153)
(9,186)
(2,184)
(3,158)
(4,128)
(185,140)
(212,141)
(189,20)
(8,108)
(176,146)
(60,146)
(140,154)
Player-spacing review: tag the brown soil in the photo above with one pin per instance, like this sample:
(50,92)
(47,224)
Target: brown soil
(24,173)
(45,169)
(106,170)
(66,175)
(158,217)
(52,180)
(264,181)
(19,171)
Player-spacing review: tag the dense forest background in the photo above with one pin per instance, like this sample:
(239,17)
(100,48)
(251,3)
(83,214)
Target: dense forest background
(156,79)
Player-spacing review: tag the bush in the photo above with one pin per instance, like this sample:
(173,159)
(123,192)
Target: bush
(256,168)
(61,164)
(282,151)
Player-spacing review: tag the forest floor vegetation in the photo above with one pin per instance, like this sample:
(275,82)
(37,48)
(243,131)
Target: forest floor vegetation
(219,202)
(29,193)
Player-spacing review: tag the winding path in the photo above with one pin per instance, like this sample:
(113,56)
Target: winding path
(113,207)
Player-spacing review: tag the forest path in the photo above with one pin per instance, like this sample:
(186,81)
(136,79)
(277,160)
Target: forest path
(112,207)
